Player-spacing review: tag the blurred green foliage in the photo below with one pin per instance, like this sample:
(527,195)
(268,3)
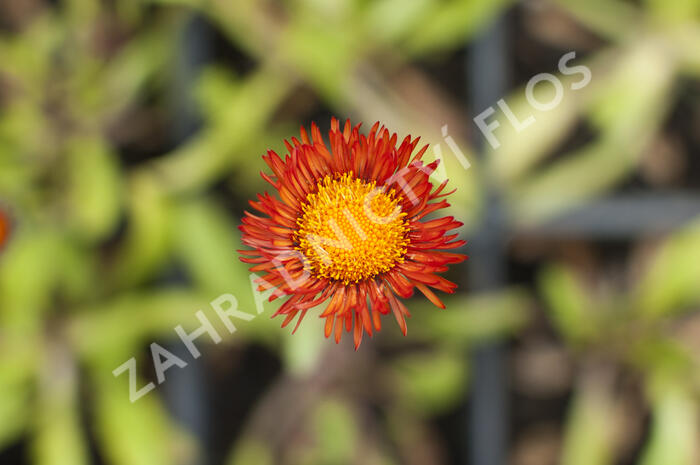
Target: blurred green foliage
(84,282)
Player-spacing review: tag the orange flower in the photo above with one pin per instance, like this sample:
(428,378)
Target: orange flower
(4,229)
(348,227)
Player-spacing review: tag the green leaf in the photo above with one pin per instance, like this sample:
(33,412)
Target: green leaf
(148,238)
(121,79)
(336,432)
(15,412)
(452,22)
(662,356)
(430,382)
(250,451)
(27,280)
(28,57)
(21,117)
(634,95)
(18,365)
(568,303)
(520,151)
(472,319)
(406,16)
(325,54)
(613,20)
(94,194)
(674,13)
(301,351)
(131,320)
(674,430)
(589,435)
(685,41)
(59,439)
(206,241)
(671,282)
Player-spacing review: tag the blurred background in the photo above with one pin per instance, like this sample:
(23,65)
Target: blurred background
(131,135)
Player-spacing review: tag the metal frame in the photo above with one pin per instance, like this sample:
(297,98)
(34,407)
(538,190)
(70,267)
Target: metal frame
(622,217)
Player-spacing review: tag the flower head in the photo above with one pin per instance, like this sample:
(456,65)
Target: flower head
(349,228)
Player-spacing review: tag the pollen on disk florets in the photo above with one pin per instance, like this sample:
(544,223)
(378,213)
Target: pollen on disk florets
(351,230)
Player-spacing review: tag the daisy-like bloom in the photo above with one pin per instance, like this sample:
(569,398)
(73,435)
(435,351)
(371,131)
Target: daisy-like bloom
(349,228)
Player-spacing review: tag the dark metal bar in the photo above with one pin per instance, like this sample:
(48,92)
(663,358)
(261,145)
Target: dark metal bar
(621,217)
(487,420)
(185,395)
(185,391)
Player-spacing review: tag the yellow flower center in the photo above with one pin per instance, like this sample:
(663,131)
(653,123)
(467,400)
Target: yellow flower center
(351,230)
